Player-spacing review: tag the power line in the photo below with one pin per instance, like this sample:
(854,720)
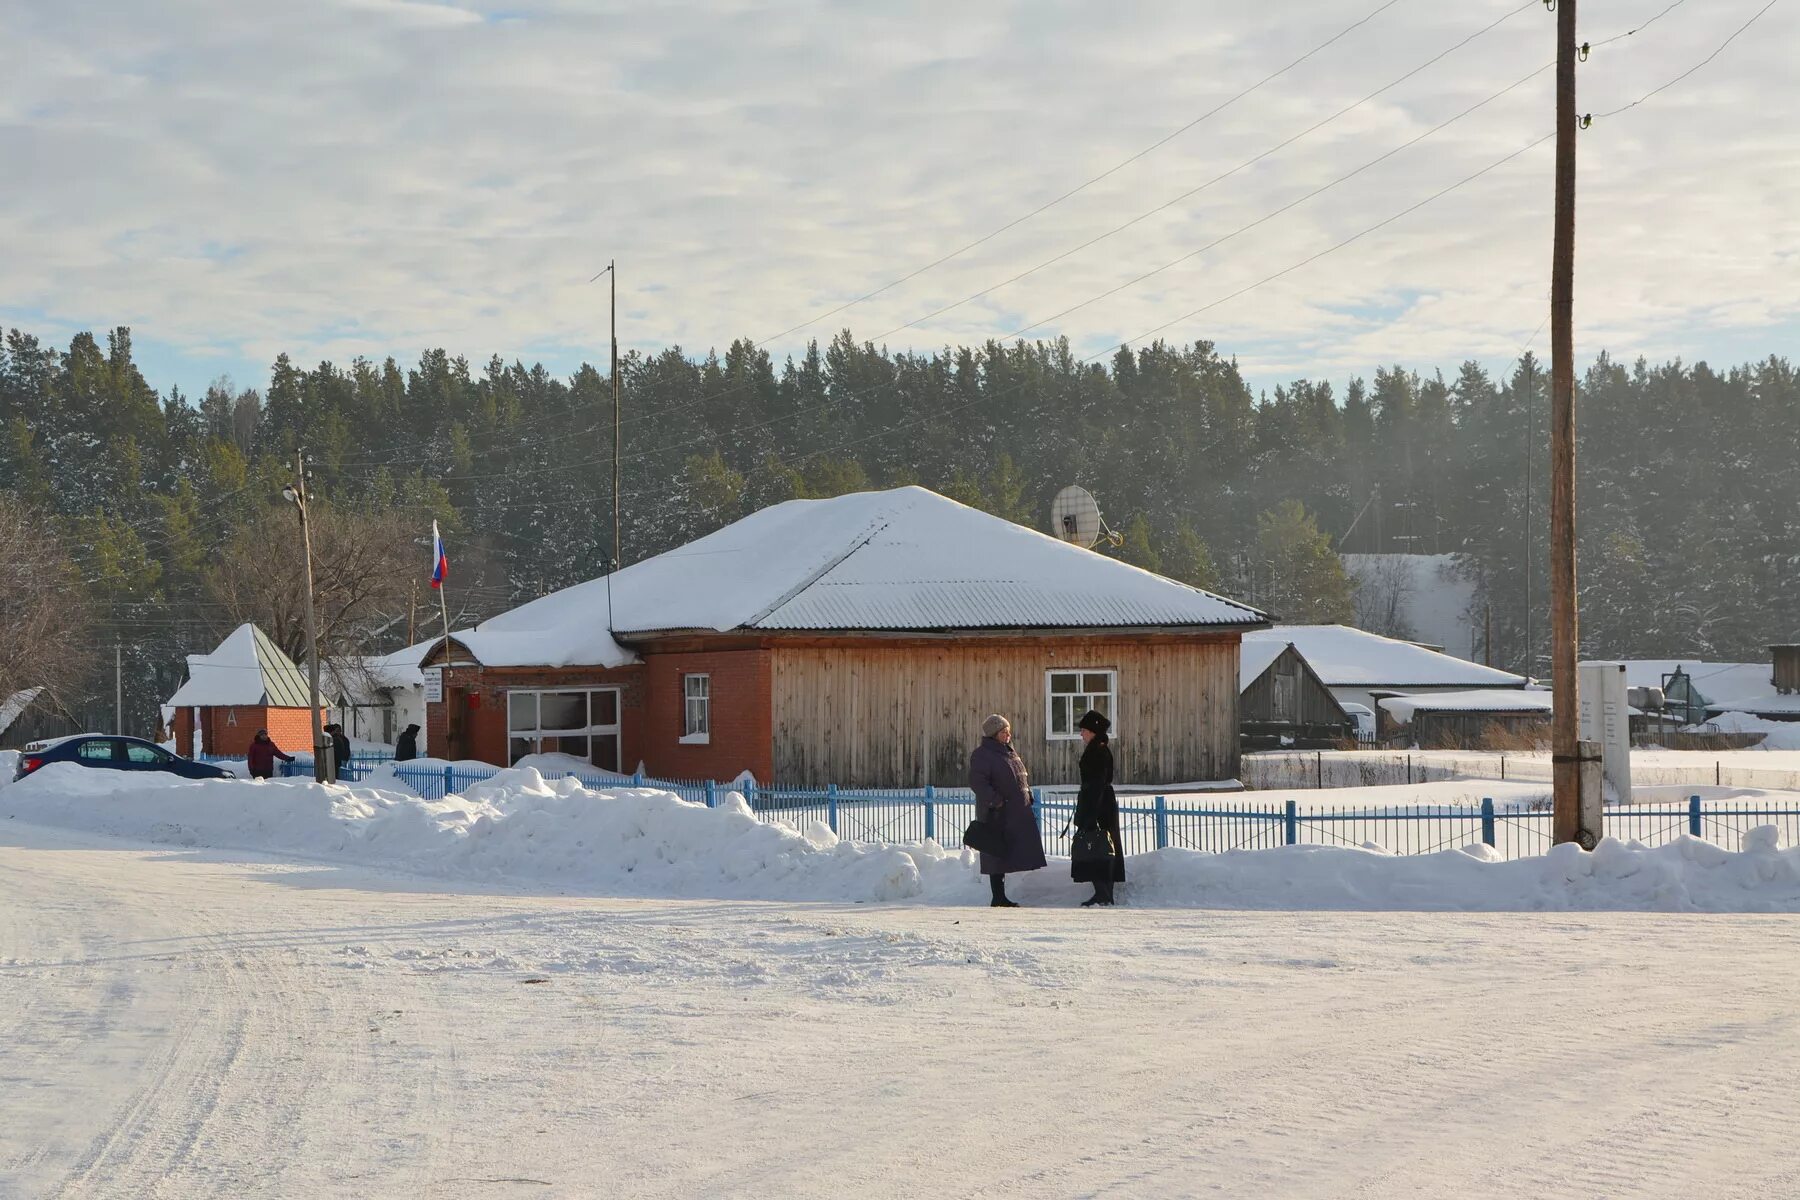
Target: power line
(1703,62)
(1192,192)
(1081,187)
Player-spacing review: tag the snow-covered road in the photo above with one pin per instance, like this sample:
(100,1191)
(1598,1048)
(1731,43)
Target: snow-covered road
(191,1024)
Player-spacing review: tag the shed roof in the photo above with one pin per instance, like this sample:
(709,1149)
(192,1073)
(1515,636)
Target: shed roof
(1482,700)
(246,668)
(1347,657)
(906,559)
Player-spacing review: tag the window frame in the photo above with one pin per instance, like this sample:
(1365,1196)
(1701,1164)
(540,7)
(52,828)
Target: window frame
(1080,673)
(689,735)
(538,735)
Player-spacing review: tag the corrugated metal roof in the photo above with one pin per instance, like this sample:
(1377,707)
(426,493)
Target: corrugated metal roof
(283,683)
(904,559)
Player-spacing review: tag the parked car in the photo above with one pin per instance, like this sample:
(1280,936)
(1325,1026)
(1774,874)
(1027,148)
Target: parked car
(1364,716)
(114,753)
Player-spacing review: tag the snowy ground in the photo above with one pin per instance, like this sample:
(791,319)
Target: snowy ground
(192,1023)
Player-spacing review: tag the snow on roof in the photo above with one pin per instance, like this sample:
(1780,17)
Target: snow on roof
(1714,681)
(1256,657)
(1484,700)
(247,668)
(1347,657)
(399,669)
(15,705)
(1766,703)
(904,559)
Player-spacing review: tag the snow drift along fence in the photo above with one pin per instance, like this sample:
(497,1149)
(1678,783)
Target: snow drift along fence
(1194,822)
(1294,770)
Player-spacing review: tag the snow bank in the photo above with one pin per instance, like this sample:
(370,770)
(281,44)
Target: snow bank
(520,830)
(516,828)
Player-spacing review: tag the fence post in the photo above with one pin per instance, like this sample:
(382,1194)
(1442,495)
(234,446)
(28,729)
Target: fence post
(1694,815)
(1503,768)
(712,795)
(1291,823)
(750,793)
(1487,819)
(637,779)
(447,782)
(1409,769)
(930,813)
(1162,824)
(831,806)
(1320,759)
(1718,772)
(1037,810)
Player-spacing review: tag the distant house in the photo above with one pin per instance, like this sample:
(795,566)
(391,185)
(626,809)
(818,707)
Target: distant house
(1283,702)
(376,696)
(857,641)
(1460,720)
(246,684)
(1694,691)
(1776,698)
(12,707)
(1355,665)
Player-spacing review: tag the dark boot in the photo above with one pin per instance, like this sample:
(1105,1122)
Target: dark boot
(1103,892)
(1094,899)
(997,883)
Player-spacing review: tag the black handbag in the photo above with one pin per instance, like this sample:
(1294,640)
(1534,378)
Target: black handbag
(985,836)
(1091,845)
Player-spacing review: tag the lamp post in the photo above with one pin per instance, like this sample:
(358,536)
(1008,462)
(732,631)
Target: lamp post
(295,494)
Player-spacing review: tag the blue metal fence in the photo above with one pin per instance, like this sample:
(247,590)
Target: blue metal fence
(1195,821)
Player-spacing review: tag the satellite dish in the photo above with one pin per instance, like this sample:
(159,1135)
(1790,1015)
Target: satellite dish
(1075,517)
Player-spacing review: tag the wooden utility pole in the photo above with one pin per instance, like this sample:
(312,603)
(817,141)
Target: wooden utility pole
(412,611)
(1570,819)
(323,769)
(618,552)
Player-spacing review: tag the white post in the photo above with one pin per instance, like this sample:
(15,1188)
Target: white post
(1606,719)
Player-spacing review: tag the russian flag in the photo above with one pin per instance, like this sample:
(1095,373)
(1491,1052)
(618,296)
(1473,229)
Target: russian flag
(440,562)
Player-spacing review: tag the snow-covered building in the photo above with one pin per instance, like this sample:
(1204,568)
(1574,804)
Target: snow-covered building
(375,696)
(245,685)
(857,641)
(1283,702)
(13,706)
(1355,664)
(1458,720)
(1693,691)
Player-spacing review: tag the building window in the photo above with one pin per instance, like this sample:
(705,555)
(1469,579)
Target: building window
(581,724)
(1069,694)
(696,710)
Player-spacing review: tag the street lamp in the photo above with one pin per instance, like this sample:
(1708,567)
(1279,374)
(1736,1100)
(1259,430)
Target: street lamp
(295,494)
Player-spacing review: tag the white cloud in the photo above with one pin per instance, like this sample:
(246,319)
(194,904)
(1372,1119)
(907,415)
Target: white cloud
(377,176)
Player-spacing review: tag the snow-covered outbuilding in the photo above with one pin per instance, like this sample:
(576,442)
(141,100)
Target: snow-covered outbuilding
(1695,690)
(1283,702)
(1355,664)
(1461,720)
(375,696)
(859,641)
(246,684)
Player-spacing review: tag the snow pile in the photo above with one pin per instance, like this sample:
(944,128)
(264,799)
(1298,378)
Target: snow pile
(1686,875)
(1781,735)
(516,828)
(9,763)
(520,830)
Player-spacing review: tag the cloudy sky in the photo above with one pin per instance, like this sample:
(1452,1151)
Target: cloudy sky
(344,177)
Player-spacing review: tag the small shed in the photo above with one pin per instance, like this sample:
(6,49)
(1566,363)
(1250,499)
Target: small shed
(246,684)
(1282,701)
(1463,720)
(1357,665)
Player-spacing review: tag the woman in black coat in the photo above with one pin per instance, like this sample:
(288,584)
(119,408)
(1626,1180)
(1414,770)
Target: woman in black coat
(1098,808)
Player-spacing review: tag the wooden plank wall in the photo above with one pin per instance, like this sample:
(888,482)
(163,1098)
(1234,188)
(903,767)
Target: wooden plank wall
(1317,705)
(901,716)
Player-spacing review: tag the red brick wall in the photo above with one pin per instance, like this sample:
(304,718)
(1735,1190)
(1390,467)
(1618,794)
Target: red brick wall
(482,695)
(650,716)
(742,735)
(228,730)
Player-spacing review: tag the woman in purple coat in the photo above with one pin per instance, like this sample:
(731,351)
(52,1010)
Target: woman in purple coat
(1003,795)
